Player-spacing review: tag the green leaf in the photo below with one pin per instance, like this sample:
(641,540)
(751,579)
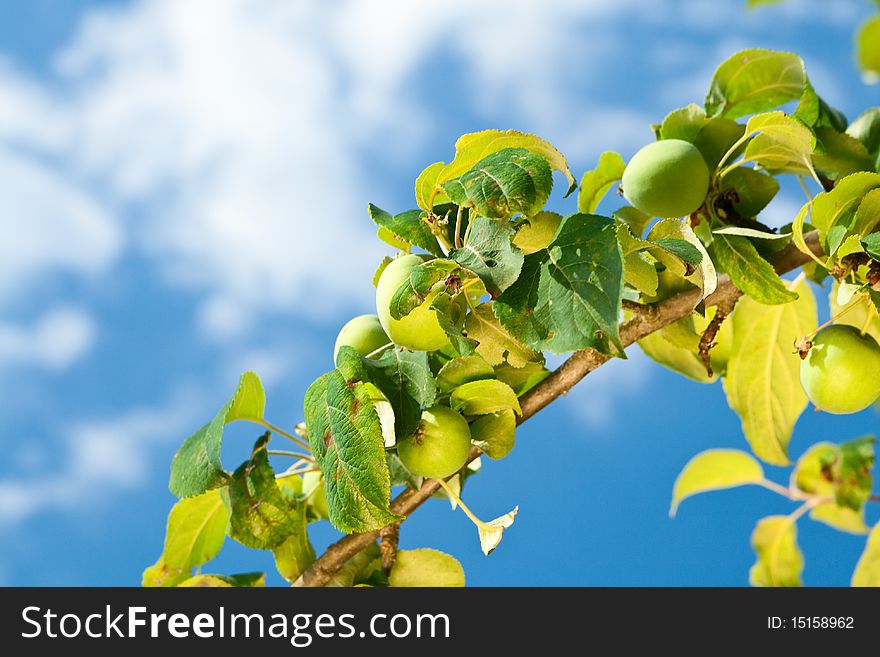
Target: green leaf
(755,80)
(781,143)
(405,378)
(753,190)
(838,155)
(868,48)
(640,273)
(866,128)
(522,379)
(483,397)
(636,219)
(813,472)
(857,316)
(780,562)
(244,580)
(206,582)
(816,113)
(871,244)
(716,138)
(715,469)
(400,475)
(473,147)
(685,361)
(194,535)
(461,370)
(763,374)
(704,275)
(381,268)
(160,575)
(852,472)
(867,572)
(260,516)
(295,554)
(494,433)
(838,205)
(568,295)
(752,274)
(489,253)
(428,279)
(867,218)
(494,342)
(537,232)
(346,439)
(596,183)
(509,182)
(407,226)
(196,467)
(684,123)
(425,567)
(751,233)
(428,186)
(840,518)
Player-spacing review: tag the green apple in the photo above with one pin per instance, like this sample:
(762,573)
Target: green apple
(420,329)
(363,333)
(841,373)
(668,178)
(439,446)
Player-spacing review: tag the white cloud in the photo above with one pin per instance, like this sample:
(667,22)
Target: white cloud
(59,338)
(102,456)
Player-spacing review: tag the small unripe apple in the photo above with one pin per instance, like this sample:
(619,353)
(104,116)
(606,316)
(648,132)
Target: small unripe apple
(363,333)
(841,373)
(420,329)
(668,178)
(439,446)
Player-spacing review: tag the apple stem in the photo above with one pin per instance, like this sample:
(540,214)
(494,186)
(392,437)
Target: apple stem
(380,350)
(446,487)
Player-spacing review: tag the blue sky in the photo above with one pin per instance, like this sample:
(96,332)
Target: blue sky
(184,191)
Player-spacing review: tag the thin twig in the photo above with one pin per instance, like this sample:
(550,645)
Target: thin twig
(563,379)
(707,340)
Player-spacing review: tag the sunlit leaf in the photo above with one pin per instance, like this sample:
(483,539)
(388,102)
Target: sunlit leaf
(715,469)
(779,559)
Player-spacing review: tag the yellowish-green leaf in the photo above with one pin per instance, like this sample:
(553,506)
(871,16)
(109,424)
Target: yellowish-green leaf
(596,183)
(495,343)
(841,518)
(205,582)
(425,567)
(684,123)
(867,572)
(839,204)
(857,316)
(494,433)
(473,147)
(780,562)
(537,233)
(763,374)
(781,143)
(249,401)
(755,80)
(685,361)
(715,469)
(483,397)
(704,275)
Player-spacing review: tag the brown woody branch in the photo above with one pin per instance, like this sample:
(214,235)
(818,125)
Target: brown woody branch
(646,320)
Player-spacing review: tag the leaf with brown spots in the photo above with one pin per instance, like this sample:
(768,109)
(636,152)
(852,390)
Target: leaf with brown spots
(346,439)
